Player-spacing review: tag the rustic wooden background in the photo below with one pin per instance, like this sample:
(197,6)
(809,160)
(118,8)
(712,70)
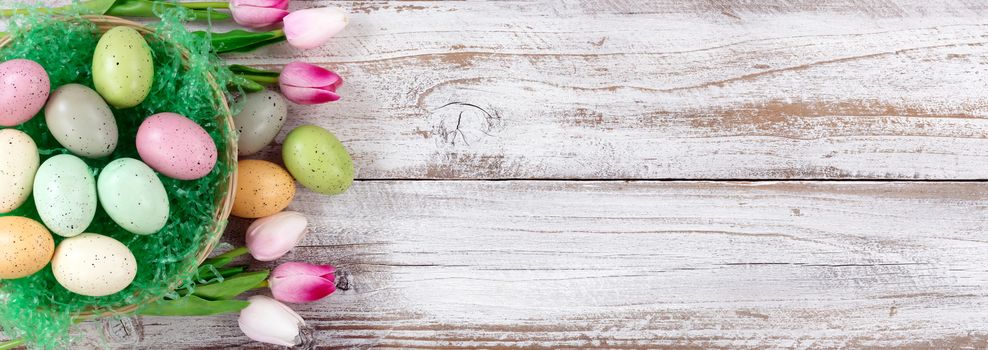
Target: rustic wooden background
(647,174)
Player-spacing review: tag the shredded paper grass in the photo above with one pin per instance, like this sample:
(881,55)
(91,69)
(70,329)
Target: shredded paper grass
(37,307)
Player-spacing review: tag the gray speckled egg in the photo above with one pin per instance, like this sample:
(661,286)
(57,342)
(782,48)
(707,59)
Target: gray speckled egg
(81,121)
(93,265)
(258,124)
(133,196)
(18,163)
(65,195)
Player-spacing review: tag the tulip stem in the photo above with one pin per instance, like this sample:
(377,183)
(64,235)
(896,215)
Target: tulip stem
(12,12)
(205,5)
(12,344)
(235,253)
(260,79)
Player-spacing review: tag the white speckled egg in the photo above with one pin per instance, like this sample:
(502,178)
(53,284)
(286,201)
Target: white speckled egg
(133,196)
(263,116)
(93,265)
(81,121)
(65,195)
(24,87)
(18,163)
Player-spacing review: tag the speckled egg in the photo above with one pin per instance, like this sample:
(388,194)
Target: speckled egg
(81,121)
(133,196)
(93,265)
(24,88)
(176,146)
(263,189)
(18,164)
(263,116)
(27,247)
(65,195)
(123,70)
(318,160)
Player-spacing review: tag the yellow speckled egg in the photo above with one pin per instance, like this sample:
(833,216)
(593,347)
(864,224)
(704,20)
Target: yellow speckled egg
(27,247)
(263,189)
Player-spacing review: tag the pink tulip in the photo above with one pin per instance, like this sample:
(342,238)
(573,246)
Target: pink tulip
(309,84)
(268,321)
(311,28)
(258,13)
(295,282)
(272,237)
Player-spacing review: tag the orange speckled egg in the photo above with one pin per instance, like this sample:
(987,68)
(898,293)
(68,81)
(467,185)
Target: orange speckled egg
(27,247)
(263,189)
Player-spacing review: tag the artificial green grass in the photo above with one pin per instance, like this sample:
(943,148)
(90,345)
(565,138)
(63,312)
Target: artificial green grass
(37,307)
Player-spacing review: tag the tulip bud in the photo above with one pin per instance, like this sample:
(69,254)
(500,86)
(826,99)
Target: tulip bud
(307,29)
(295,282)
(268,321)
(309,84)
(272,237)
(258,13)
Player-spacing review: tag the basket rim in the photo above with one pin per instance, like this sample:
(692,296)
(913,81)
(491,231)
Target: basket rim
(225,202)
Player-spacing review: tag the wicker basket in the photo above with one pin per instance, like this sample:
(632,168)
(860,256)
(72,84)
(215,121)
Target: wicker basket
(224,201)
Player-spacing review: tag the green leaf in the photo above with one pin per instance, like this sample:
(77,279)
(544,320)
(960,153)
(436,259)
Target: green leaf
(210,14)
(231,287)
(242,40)
(146,8)
(192,305)
(205,5)
(97,7)
(92,7)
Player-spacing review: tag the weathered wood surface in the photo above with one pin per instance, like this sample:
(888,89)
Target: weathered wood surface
(658,89)
(640,265)
(665,89)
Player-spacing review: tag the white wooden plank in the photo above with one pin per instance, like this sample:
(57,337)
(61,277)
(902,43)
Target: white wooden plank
(640,265)
(657,89)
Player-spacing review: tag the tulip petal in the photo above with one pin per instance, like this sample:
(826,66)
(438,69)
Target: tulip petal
(308,96)
(301,74)
(296,268)
(269,321)
(274,236)
(311,28)
(257,17)
(301,289)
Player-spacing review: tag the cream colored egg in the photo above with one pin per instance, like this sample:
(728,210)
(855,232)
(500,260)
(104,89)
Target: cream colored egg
(93,265)
(19,162)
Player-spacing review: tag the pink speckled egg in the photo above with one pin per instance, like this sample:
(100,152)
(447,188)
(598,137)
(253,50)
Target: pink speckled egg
(176,146)
(24,88)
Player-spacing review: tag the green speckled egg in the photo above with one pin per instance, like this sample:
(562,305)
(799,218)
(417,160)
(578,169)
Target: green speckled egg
(133,196)
(123,70)
(65,195)
(317,159)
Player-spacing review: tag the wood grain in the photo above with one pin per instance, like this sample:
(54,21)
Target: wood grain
(645,90)
(657,89)
(480,264)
